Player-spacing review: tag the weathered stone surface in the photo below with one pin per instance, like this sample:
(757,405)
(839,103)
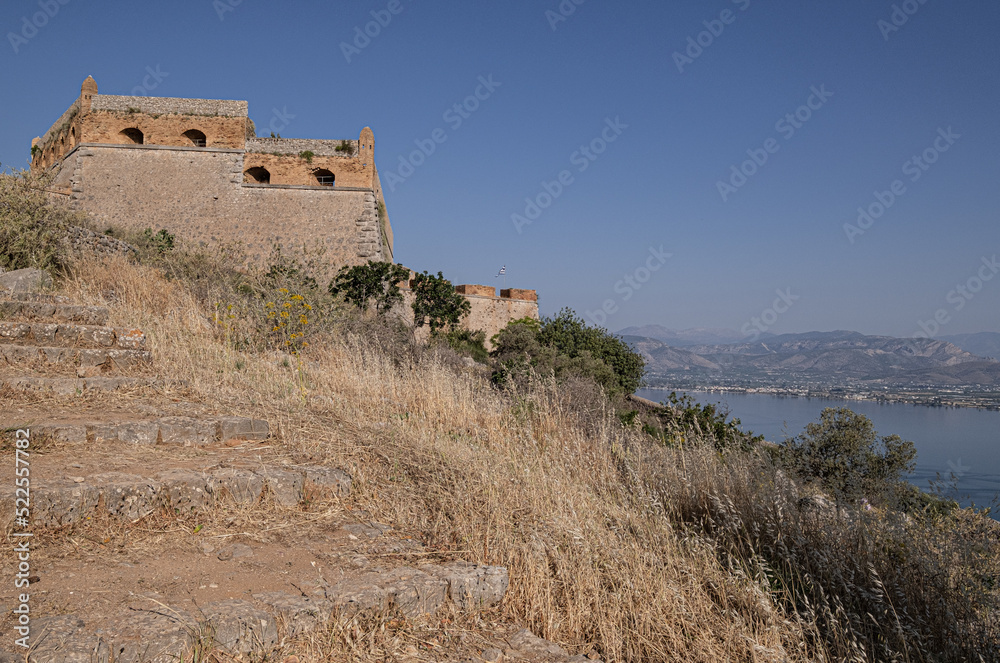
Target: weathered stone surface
(132,339)
(184,491)
(286,486)
(529,645)
(67,434)
(25,280)
(138,432)
(126,496)
(471,586)
(412,591)
(149,637)
(62,501)
(234,551)
(127,432)
(100,336)
(186,431)
(57,355)
(243,486)
(62,640)
(20,354)
(338,481)
(243,428)
(14,331)
(301,614)
(239,627)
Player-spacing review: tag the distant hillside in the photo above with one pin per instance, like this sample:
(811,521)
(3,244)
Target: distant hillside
(684,337)
(833,357)
(984,344)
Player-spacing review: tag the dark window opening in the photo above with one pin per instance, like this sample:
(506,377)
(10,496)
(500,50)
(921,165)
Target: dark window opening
(196,137)
(132,135)
(257,175)
(324,177)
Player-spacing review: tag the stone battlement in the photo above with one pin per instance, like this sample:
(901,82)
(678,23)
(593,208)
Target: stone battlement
(167,105)
(296,146)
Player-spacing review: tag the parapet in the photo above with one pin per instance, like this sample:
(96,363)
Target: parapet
(479,290)
(320,148)
(522,295)
(164,105)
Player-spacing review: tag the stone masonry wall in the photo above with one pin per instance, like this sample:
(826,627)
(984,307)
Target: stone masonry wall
(101,126)
(489,314)
(293,169)
(199,195)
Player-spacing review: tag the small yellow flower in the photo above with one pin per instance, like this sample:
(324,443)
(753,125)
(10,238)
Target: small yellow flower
(284,290)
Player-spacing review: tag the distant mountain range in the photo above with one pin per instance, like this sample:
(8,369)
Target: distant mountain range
(834,358)
(984,344)
(684,337)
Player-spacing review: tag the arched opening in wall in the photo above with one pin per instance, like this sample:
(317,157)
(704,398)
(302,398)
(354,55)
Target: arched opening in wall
(196,137)
(324,177)
(132,135)
(72,138)
(257,175)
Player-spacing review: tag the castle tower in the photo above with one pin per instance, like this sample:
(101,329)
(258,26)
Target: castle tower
(366,147)
(87,92)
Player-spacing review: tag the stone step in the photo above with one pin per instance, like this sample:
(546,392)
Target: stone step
(38,297)
(251,626)
(173,430)
(16,309)
(109,358)
(77,386)
(68,499)
(70,335)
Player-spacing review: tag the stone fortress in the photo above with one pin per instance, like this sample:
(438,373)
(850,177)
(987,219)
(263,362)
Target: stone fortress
(197,168)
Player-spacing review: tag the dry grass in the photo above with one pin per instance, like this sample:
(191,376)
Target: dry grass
(613,544)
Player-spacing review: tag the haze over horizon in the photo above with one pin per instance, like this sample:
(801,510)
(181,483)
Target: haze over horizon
(600,161)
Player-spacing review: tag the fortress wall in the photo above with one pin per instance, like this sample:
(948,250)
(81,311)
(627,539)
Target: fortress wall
(105,126)
(165,105)
(491,314)
(293,169)
(59,140)
(488,314)
(387,237)
(198,194)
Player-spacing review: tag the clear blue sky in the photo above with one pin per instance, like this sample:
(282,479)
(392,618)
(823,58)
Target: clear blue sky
(657,184)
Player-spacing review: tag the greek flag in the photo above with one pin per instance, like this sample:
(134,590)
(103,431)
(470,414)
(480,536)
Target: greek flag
(503,270)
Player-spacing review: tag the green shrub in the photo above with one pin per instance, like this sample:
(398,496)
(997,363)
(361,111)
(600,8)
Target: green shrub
(32,230)
(161,242)
(373,284)
(563,346)
(307,155)
(469,344)
(843,454)
(436,304)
